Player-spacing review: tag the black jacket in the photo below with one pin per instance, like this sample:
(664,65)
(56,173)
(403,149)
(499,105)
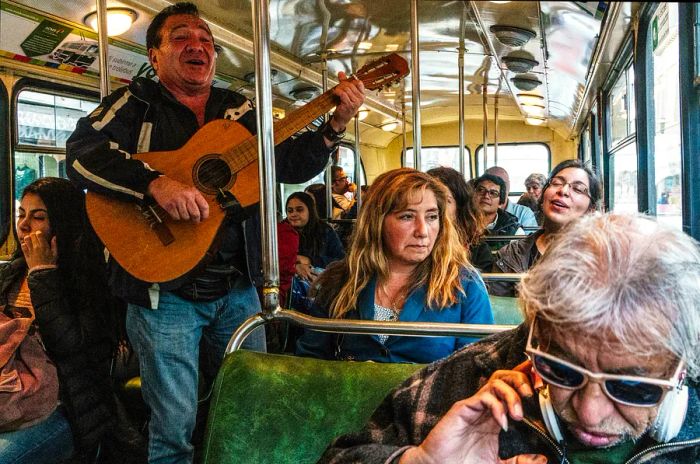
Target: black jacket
(73,329)
(145,117)
(516,257)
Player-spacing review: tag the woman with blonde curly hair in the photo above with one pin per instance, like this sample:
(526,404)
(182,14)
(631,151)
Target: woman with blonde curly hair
(407,263)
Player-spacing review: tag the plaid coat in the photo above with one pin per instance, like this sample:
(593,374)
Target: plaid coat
(410,412)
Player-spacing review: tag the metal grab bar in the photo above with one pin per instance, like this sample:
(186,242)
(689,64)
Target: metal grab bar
(503,238)
(501,277)
(354,326)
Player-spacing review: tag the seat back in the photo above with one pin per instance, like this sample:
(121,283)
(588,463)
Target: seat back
(269,408)
(505,310)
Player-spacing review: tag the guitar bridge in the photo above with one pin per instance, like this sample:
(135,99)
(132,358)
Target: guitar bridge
(157,224)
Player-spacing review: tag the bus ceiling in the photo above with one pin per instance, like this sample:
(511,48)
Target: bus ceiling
(540,60)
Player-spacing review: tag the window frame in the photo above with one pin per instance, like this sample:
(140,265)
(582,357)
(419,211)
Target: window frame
(479,170)
(467,157)
(6,168)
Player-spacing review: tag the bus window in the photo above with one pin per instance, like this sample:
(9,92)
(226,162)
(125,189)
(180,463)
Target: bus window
(518,159)
(623,144)
(45,120)
(433,157)
(345,159)
(667,129)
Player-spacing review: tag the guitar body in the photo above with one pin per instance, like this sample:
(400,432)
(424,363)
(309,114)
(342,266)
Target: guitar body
(128,234)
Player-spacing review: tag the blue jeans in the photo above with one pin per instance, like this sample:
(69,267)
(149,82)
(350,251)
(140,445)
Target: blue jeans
(48,442)
(167,341)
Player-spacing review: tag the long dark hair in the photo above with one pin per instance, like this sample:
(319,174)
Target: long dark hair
(80,259)
(312,234)
(470,219)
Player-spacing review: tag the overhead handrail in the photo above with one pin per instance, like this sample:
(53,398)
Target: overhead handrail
(362,327)
(503,238)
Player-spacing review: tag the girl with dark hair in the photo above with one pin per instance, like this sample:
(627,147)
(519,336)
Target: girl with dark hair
(319,245)
(571,191)
(467,218)
(53,295)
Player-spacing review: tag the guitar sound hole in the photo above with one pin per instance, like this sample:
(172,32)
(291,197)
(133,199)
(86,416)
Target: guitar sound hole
(213,174)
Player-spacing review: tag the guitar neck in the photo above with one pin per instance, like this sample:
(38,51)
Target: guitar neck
(300,118)
(247,152)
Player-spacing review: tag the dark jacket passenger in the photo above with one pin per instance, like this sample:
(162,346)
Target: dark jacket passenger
(72,323)
(516,257)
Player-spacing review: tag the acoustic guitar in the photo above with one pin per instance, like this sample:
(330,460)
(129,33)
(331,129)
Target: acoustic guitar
(221,161)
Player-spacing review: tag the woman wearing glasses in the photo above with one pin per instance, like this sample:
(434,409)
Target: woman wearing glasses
(405,263)
(571,191)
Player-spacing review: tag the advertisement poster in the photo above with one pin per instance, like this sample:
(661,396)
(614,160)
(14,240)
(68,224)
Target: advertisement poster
(32,38)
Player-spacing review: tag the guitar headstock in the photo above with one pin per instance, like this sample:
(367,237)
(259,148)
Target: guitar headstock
(383,71)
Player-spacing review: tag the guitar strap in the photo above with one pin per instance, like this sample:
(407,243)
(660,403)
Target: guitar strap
(230,204)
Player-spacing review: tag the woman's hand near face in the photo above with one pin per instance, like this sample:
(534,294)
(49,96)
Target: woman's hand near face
(38,251)
(304,268)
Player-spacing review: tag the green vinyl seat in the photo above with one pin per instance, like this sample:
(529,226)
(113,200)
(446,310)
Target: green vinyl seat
(276,409)
(505,310)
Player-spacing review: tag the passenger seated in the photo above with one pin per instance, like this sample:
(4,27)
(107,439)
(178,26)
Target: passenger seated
(319,245)
(525,216)
(571,191)
(531,198)
(405,263)
(490,195)
(466,217)
(604,370)
(55,395)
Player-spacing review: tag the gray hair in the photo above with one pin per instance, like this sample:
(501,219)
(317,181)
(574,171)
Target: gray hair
(625,276)
(536,178)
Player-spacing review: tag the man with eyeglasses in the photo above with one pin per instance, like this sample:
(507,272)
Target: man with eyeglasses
(526,217)
(342,192)
(490,193)
(603,370)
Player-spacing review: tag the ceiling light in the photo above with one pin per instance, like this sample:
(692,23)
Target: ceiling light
(530,99)
(391,47)
(519,64)
(512,36)
(534,110)
(362,114)
(306,92)
(119,20)
(389,126)
(250,77)
(535,121)
(526,83)
(364,45)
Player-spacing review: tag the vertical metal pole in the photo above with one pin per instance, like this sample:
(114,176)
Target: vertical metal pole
(103,47)
(495,126)
(415,83)
(485,95)
(266,154)
(404,138)
(460,61)
(460,78)
(358,165)
(329,171)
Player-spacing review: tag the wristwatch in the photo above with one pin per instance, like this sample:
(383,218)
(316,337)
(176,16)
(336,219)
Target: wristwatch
(331,134)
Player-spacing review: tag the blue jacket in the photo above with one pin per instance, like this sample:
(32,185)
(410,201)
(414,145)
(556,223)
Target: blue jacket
(471,308)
